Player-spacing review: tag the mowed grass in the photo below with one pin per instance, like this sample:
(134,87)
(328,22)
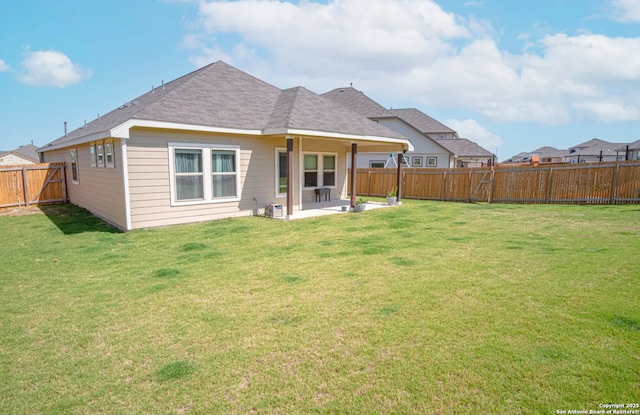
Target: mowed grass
(425,308)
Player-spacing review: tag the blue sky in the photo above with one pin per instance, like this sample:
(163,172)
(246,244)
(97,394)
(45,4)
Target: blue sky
(510,75)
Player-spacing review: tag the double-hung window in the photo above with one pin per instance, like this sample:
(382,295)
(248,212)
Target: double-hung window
(189,174)
(281,172)
(75,177)
(108,153)
(100,154)
(204,173)
(92,152)
(319,170)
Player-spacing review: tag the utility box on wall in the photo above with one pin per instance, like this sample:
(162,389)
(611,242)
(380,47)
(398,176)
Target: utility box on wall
(273,211)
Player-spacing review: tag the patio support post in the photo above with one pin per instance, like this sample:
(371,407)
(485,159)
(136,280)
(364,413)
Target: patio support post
(354,160)
(399,177)
(289,177)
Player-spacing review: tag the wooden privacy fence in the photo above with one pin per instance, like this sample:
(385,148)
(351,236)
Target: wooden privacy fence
(32,184)
(602,183)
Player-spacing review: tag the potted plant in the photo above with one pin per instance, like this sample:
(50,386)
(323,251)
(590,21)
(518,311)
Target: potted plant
(392,197)
(360,205)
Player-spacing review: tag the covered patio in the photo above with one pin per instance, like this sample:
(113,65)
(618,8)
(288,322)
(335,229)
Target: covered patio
(334,207)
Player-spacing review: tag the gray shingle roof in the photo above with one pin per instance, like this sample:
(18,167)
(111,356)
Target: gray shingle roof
(27,152)
(356,101)
(632,146)
(463,147)
(593,148)
(300,108)
(421,121)
(548,151)
(220,95)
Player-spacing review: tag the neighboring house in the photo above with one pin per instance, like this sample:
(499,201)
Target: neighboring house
(424,132)
(541,155)
(518,158)
(26,154)
(629,151)
(466,153)
(215,143)
(593,151)
(548,154)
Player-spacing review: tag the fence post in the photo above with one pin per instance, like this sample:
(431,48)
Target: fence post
(470,183)
(614,183)
(25,186)
(444,186)
(64,183)
(548,192)
(493,174)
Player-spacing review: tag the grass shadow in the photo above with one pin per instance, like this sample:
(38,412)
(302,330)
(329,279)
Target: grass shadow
(71,219)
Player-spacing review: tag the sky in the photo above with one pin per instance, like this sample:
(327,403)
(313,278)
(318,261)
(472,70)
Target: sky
(512,76)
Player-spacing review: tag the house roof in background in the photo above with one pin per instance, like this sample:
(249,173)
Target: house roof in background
(632,146)
(463,147)
(419,120)
(548,151)
(593,147)
(220,95)
(27,152)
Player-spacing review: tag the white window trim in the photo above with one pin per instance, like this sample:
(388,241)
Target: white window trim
(77,163)
(320,170)
(278,150)
(108,164)
(100,145)
(207,173)
(93,155)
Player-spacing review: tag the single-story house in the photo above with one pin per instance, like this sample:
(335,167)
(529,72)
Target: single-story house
(424,132)
(593,151)
(548,154)
(466,153)
(26,154)
(215,143)
(629,151)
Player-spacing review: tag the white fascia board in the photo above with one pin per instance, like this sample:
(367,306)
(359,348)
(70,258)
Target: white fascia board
(122,130)
(342,136)
(80,140)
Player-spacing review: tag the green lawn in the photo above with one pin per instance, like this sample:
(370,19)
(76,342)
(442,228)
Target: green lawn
(425,308)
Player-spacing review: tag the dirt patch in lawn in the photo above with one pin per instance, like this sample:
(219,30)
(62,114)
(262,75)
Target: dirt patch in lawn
(31,210)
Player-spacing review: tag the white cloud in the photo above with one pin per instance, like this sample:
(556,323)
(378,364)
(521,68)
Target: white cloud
(4,67)
(413,53)
(51,68)
(475,132)
(627,11)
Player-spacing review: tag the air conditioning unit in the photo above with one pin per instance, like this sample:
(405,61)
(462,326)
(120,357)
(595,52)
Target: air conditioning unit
(273,211)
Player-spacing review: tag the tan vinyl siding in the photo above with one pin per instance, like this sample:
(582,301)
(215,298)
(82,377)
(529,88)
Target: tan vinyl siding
(99,189)
(149,178)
